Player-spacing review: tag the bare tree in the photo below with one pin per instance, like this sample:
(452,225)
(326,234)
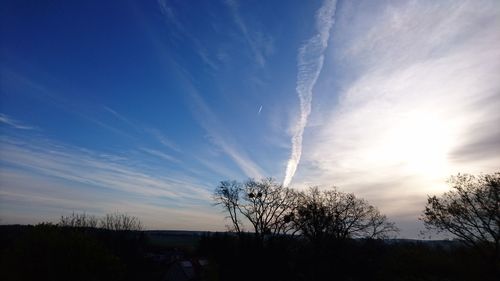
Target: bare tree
(312,217)
(470,210)
(338,215)
(79,220)
(380,226)
(114,221)
(227,195)
(265,204)
(120,222)
(273,209)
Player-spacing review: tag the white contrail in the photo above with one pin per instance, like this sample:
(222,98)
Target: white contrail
(260,109)
(310,62)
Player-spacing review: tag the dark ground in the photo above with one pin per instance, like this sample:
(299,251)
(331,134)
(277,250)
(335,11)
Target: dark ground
(48,252)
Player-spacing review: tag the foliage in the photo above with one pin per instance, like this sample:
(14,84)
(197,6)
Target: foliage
(338,215)
(114,221)
(470,210)
(272,209)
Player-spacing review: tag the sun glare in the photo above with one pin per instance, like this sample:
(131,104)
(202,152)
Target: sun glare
(420,142)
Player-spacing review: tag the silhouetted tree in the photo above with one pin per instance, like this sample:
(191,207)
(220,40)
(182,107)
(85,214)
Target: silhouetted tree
(266,205)
(339,215)
(79,220)
(120,222)
(312,216)
(470,210)
(114,221)
(273,209)
(227,194)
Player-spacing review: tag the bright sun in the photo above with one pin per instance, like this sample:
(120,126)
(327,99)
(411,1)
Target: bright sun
(419,142)
(423,142)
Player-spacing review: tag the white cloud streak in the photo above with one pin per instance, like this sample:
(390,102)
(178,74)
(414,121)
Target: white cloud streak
(83,180)
(310,63)
(120,117)
(32,198)
(14,123)
(164,140)
(208,120)
(101,170)
(160,154)
(222,139)
(260,44)
(168,11)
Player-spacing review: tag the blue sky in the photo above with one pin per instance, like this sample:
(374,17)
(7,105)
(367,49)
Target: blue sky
(144,106)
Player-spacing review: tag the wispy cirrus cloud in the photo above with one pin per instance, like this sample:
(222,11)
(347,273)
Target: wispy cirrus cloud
(14,123)
(120,117)
(31,198)
(421,103)
(53,98)
(154,133)
(33,168)
(219,136)
(310,62)
(209,121)
(88,167)
(160,154)
(261,45)
(164,140)
(168,11)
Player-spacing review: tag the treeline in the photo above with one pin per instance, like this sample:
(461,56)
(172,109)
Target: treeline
(78,247)
(113,221)
(282,234)
(272,210)
(287,258)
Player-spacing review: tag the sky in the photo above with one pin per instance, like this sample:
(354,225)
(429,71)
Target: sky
(143,107)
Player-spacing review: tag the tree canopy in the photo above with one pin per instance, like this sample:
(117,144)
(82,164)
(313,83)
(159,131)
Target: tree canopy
(335,214)
(470,210)
(272,209)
